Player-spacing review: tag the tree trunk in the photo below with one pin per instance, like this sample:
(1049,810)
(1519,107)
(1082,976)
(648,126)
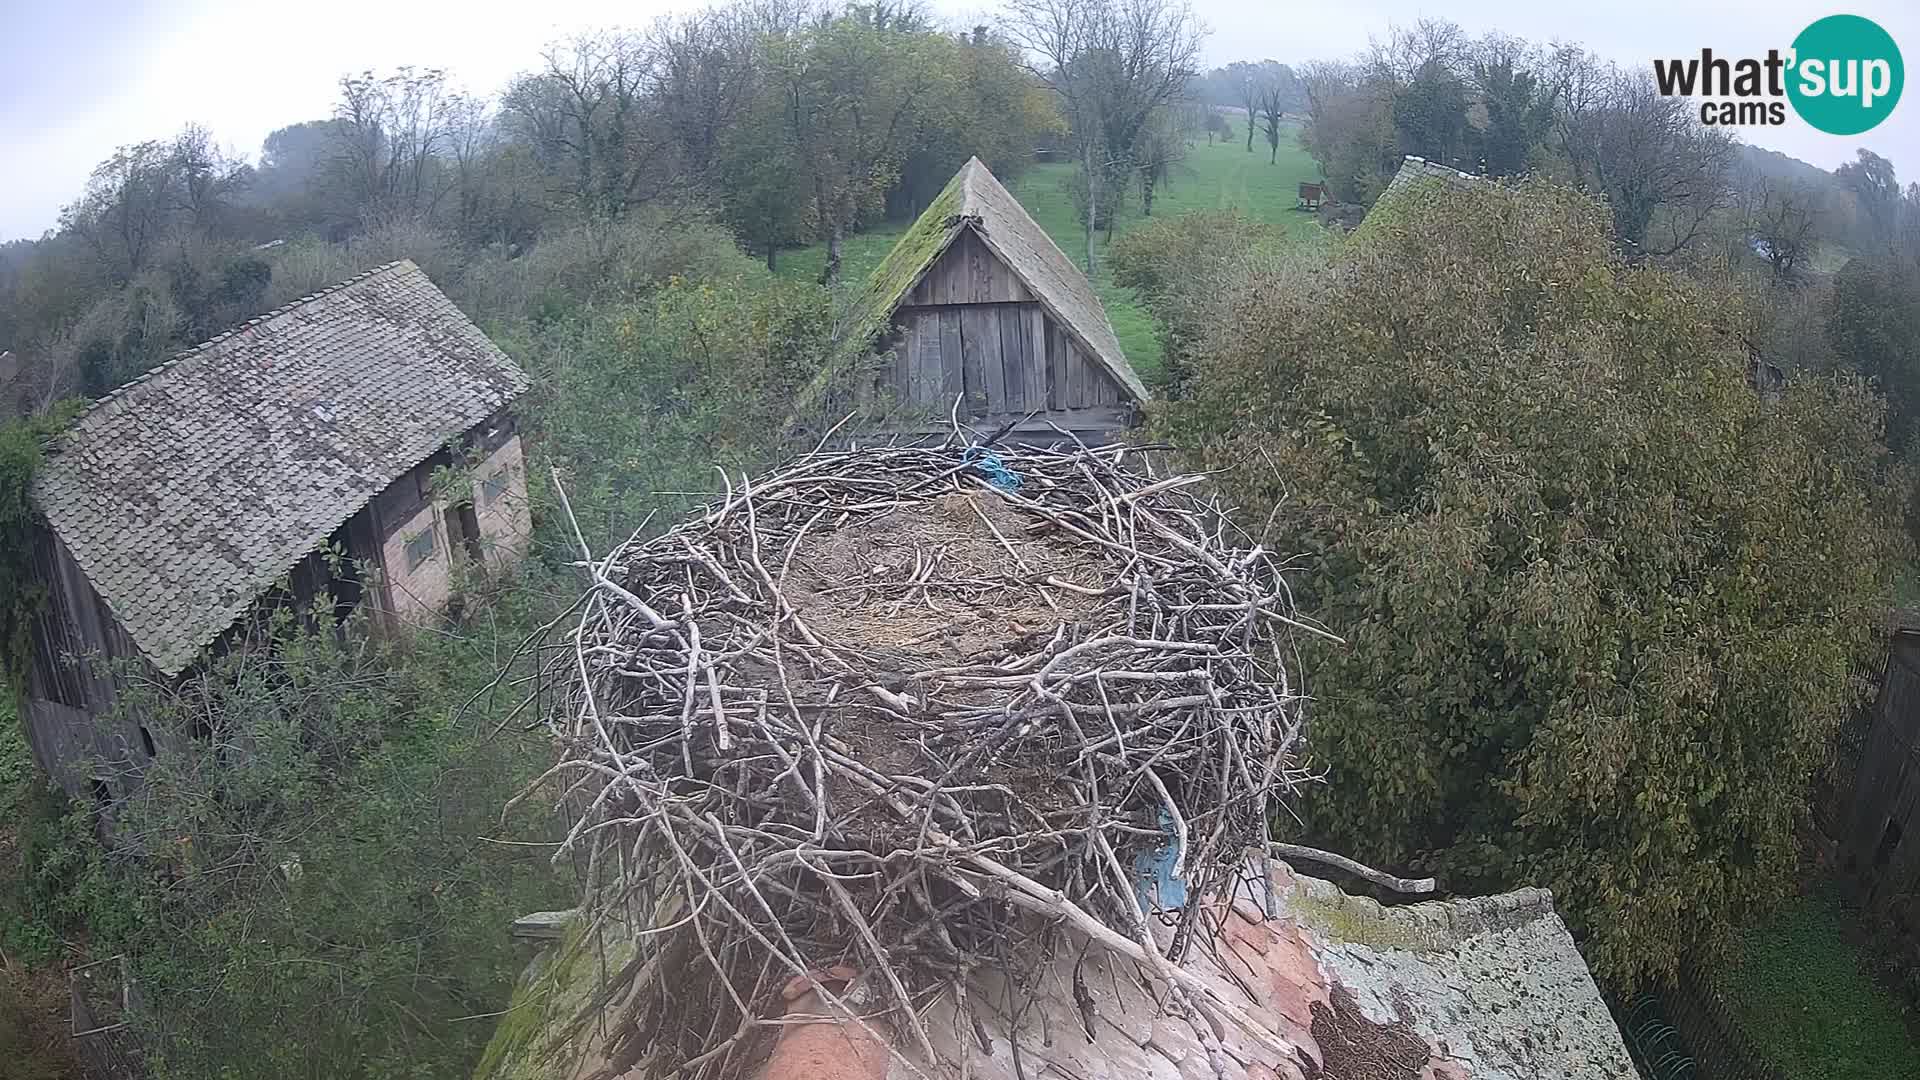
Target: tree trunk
(773,250)
(830,275)
(1093,202)
(1274,158)
(1249,131)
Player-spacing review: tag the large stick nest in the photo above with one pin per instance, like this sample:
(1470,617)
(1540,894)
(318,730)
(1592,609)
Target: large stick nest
(874,714)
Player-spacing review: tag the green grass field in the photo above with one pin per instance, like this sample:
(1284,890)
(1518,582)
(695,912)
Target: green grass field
(1218,177)
(1802,995)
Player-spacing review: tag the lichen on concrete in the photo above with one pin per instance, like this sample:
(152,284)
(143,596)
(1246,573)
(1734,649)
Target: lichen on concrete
(529,1043)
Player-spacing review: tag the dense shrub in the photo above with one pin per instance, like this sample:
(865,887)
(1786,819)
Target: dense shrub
(315,878)
(1602,602)
(1174,263)
(638,401)
(598,260)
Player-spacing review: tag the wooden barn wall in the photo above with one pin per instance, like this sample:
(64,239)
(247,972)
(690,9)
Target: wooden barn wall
(971,330)
(969,273)
(72,685)
(1003,358)
(1881,840)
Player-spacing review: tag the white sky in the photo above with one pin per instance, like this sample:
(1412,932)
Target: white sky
(79,77)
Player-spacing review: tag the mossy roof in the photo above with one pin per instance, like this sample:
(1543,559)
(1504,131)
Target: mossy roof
(1416,182)
(974,199)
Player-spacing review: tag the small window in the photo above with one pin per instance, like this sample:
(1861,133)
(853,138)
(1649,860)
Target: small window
(420,547)
(493,487)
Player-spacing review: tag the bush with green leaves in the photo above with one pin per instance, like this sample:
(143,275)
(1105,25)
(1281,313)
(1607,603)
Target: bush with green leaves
(314,877)
(1603,603)
(1172,263)
(638,401)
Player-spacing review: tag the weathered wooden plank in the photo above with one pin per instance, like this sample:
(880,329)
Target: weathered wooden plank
(899,382)
(1076,395)
(973,382)
(982,336)
(947,333)
(1049,343)
(952,379)
(928,360)
(1036,362)
(1013,356)
(985,267)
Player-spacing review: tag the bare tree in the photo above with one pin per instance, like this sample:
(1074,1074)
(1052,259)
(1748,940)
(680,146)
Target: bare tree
(1246,82)
(388,137)
(127,207)
(705,72)
(205,176)
(1272,104)
(1784,227)
(1410,51)
(1112,64)
(583,116)
(1647,153)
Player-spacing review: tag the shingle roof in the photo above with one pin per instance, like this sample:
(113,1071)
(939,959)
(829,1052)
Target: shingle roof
(1417,173)
(975,199)
(184,494)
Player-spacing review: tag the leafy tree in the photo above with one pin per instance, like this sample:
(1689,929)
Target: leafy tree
(1873,323)
(1348,131)
(1875,186)
(1430,114)
(126,210)
(1519,100)
(855,87)
(1602,603)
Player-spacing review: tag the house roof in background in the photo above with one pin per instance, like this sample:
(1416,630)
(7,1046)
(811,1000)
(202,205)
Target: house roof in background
(186,493)
(975,199)
(1417,174)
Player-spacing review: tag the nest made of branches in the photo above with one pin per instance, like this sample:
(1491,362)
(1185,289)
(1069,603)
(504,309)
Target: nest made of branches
(899,713)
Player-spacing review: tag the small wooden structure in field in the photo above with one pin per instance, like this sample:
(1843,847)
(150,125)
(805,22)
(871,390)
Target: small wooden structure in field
(977,306)
(1312,195)
(291,460)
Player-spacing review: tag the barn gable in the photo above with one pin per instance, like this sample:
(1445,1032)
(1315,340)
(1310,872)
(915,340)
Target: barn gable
(978,306)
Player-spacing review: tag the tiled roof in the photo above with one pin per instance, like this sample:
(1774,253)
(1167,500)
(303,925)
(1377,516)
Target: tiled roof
(1488,988)
(975,199)
(1341,988)
(184,494)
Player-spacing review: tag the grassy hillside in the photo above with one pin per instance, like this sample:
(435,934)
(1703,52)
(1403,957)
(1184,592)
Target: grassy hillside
(1218,177)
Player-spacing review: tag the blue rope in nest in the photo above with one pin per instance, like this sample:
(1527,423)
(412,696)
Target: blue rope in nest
(988,464)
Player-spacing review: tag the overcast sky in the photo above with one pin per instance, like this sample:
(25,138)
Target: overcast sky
(79,77)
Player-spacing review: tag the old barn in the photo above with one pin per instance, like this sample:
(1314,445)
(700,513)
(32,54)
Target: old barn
(290,461)
(977,307)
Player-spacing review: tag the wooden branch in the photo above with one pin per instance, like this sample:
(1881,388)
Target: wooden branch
(1405,886)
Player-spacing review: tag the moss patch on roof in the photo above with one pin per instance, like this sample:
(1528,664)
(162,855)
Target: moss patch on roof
(916,251)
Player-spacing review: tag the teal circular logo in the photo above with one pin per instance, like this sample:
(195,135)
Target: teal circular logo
(1846,74)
